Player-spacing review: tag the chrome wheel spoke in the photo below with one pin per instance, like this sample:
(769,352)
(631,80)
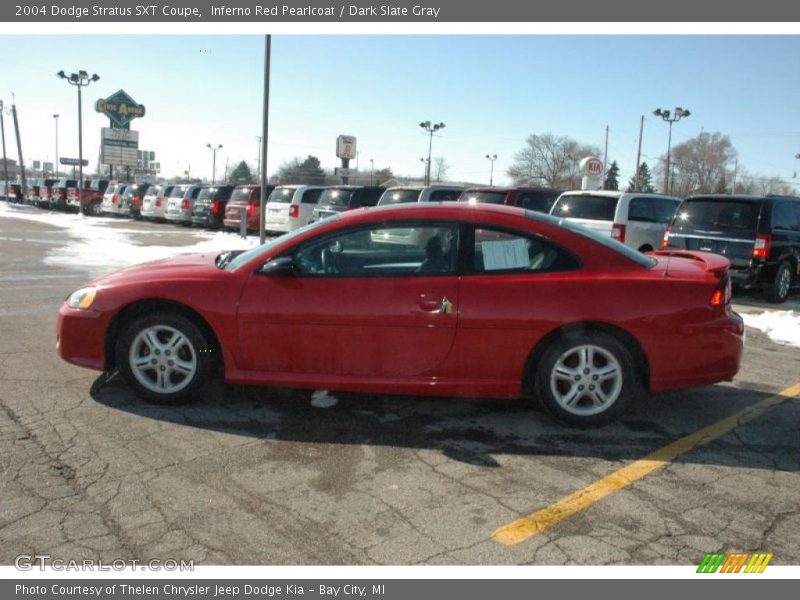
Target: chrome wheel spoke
(564,372)
(572,396)
(151,340)
(175,342)
(606,373)
(184,367)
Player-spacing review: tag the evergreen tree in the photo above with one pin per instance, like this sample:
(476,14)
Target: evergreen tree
(612,177)
(241,175)
(645,183)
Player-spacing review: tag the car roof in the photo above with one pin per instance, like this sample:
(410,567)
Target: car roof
(447,210)
(501,190)
(741,197)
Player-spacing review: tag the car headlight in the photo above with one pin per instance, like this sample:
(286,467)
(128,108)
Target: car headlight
(82,298)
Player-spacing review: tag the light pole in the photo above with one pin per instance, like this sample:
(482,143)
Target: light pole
(80,80)
(431,129)
(214,171)
(5,162)
(371,170)
(670,117)
(55,164)
(491,158)
(426,162)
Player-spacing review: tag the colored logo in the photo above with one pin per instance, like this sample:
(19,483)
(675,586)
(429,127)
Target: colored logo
(737,562)
(120,108)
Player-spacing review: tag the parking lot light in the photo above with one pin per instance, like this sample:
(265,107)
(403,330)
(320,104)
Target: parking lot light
(491,158)
(431,129)
(214,167)
(80,80)
(670,117)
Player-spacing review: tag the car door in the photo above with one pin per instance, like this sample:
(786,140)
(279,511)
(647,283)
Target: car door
(355,306)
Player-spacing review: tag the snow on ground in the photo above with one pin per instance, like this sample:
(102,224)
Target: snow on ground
(781,326)
(100,248)
(323,399)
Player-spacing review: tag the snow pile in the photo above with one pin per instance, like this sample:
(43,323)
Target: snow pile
(323,399)
(98,247)
(780,325)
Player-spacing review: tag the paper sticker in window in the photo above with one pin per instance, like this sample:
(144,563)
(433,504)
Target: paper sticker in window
(506,254)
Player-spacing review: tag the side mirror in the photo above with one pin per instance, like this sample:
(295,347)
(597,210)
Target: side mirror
(283,266)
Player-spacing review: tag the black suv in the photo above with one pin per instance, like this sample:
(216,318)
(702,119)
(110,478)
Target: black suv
(760,235)
(209,208)
(339,198)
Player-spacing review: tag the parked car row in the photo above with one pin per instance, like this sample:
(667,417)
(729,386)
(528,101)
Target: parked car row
(760,235)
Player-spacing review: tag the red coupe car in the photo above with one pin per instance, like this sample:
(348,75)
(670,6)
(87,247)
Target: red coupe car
(446,299)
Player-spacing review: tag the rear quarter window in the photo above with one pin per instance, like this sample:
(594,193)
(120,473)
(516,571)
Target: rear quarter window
(586,206)
(786,215)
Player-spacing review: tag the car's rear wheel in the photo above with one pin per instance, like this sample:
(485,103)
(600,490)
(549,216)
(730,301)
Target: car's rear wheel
(95,209)
(165,357)
(586,379)
(778,288)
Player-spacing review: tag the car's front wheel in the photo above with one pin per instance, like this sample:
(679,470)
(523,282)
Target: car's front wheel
(586,379)
(778,288)
(96,209)
(165,357)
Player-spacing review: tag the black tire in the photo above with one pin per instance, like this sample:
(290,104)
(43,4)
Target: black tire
(199,348)
(95,209)
(587,410)
(777,290)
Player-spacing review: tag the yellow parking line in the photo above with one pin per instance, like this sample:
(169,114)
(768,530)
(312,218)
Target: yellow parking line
(525,527)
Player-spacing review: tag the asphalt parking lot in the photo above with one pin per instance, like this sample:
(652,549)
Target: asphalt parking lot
(261,476)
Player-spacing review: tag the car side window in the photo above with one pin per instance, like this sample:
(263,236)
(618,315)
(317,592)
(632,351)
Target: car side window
(786,215)
(445,195)
(382,251)
(665,210)
(540,202)
(498,251)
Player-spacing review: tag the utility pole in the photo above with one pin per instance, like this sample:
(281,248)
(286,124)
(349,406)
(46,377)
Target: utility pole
(605,160)
(265,133)
(5,162)
(638,155)
(258,167)
(491,158)
(371,170)
(735,168)
(55,163)
(23,182)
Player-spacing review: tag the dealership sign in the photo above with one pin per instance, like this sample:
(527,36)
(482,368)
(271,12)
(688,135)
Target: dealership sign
(592,166)
(119,147)
(120,108)
(346,146)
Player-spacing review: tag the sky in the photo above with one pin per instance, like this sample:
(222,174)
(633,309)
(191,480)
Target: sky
(490,91)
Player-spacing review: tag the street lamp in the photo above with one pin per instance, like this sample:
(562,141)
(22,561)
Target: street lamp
(5,162)
(491,158)
(55,164)
(670,117)
(426,162)
(431,129)
(214,173)
(80,80)
(371,169)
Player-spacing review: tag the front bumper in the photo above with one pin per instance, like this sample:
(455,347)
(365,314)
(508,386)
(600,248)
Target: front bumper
(80,337)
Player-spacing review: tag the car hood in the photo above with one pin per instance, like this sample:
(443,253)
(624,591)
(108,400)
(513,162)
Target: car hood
(183,266)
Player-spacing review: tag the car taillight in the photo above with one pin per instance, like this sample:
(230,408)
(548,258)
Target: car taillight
(618,232)
(215,207)
(722,294)
(136,200)
(158,202)
(294,211)
(62,193)
(665,241)
(115,199)
(252,209)
(185,205)
(761,247)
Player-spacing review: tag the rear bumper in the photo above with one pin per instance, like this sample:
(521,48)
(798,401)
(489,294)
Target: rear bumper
(80,337)
(700,354)
(746,277)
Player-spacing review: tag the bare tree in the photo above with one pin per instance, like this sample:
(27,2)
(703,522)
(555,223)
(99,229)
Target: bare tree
(550,160)
(700,165)
(440,169)
(758,186)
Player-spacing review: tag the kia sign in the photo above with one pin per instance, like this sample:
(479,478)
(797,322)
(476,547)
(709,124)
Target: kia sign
(591,166)
(346,146)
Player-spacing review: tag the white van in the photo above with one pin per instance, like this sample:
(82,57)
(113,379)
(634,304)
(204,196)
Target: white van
(290,207)
(431,193)
(637,219)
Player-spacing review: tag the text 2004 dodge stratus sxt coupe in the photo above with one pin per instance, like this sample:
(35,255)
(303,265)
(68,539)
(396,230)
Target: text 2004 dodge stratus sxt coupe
(446,300)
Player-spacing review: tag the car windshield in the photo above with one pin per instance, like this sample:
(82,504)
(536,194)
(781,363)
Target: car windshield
(241,259)
(637,257)
(718,215)
(399,197)
(282,195)
(585,206)
(483,197)
(335,197)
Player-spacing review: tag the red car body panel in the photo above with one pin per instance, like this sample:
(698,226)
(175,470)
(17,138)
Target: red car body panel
(384,334)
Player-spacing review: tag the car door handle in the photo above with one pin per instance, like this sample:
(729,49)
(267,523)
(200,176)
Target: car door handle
(430,303)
